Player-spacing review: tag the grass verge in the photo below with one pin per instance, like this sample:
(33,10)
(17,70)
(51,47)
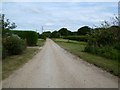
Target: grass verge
(40,42)
(12,63)
(77,49)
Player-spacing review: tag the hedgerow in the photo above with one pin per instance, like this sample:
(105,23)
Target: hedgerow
(76,38)
(105,42)
(31,37)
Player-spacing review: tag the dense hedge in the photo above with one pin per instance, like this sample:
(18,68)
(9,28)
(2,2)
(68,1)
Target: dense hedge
(30,36)
(76,38)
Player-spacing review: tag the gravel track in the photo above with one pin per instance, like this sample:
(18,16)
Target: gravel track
(53,67)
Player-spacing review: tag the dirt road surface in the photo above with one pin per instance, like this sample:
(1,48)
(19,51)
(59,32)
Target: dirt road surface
(53,67)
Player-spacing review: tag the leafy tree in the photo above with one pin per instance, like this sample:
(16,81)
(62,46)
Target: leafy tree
(64,32)
(55,34)
(47,34)
(11,43)
(6,26)
(83,30)
(74,33)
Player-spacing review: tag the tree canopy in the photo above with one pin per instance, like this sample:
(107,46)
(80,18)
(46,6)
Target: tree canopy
(64,32)
(83,30)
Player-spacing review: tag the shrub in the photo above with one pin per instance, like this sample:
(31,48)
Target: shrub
(104,42)
(30,36)
(4,52)
(14,45)
(105,51)
(90,49)
(55,34)
(43,36)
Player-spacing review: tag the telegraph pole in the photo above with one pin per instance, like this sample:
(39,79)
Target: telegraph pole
(42,29)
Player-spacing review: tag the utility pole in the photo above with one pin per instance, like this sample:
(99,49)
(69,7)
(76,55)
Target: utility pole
(36,30)
(42,29)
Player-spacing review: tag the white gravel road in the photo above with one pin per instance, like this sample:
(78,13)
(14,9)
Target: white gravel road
(54,67)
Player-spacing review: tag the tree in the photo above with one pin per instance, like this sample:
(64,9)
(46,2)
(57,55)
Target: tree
(83,30)
(74,33)
(47,34)
(64,32)
(6,26)
(11,44)
(55,34)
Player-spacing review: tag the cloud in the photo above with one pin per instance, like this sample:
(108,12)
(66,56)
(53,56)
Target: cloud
(60,1)
(49,24)
(54,15)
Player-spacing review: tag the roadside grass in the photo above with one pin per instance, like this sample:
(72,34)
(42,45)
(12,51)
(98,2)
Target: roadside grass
(0,69)
(77,48)
(0,57)
(40,42)
(14,62)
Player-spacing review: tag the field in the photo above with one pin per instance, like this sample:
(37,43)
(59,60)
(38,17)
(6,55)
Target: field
(14,62)
(77,48)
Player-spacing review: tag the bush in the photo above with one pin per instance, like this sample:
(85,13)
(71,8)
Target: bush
(13,45)
(30,36)
(104,42)
(76,38)
(43,36)
(90,49)
(4,52)
(106,51)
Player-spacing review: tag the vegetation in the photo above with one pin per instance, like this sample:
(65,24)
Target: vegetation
(31,37)
(84,30)
(77,48)
(64,32)
(101,41)
(67,34)
(105,42)
(40,42)
(14,62)
(77,38)
(55,34)
(47,33)
(12,44)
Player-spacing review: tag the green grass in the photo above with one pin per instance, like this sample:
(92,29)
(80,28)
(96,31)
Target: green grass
(0,70)
(14,62)
(40,42)
(0,58)
(77,49)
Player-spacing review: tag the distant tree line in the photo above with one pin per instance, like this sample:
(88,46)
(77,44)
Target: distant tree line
(103,40)
(65,32)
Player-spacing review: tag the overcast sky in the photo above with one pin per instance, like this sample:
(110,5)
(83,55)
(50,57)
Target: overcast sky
(54,15)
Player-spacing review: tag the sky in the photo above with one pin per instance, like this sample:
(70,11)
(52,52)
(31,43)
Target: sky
(55,15)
